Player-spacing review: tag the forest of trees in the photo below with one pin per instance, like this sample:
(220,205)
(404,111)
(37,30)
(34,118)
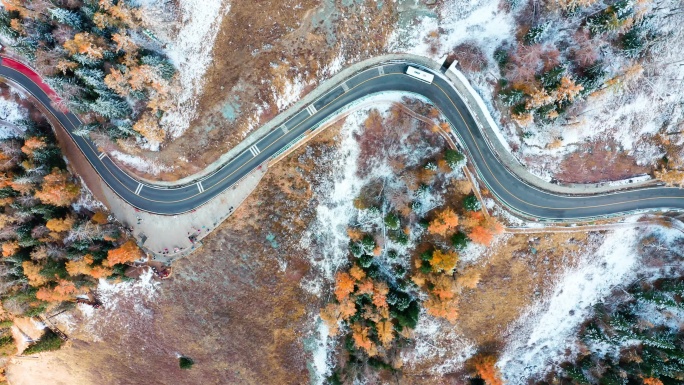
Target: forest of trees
(52,250)
(545,73)
(637,340)
(404,254)
(98,57)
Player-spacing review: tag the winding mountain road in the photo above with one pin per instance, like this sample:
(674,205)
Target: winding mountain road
(520,197)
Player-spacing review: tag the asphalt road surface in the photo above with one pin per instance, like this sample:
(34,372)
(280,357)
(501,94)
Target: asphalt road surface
(518,196)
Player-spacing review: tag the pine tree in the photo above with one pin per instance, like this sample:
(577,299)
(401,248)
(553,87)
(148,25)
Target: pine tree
(70,18)
(5,29)
(471,203)
(94,78)
(111,107)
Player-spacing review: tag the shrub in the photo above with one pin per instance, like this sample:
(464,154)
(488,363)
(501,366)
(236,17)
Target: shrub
(471,203)
(185,362)
(392,221)
(460,240)
(453,158)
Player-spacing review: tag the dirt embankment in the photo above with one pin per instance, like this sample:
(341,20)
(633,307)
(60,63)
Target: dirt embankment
(266,56)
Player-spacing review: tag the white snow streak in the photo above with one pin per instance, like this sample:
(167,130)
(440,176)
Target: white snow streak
(191,52)
(549,328)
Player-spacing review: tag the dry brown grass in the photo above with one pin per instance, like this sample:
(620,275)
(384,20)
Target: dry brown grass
(595,163)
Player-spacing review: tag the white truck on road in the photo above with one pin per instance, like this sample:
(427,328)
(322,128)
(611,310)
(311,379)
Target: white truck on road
(420,75)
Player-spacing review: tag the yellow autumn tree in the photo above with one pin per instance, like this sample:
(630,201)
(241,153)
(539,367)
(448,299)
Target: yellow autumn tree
(59,225)
(331,315)
(347,309)
(385,333)
(82,266)
(128,252)
(100,217)
(670,177)
(148,127)
(83,43)
(32,273)
(539,98)
(568,89)
(444,222)
(117,80)
(443,287)
(124,42)
(57,190)
(98,272)
(444,261)
(18,6)
(523,119)
(65,66)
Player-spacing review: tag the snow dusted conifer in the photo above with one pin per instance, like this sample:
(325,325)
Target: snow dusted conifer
(65,16)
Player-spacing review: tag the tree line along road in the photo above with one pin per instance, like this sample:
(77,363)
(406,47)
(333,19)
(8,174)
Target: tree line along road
(522,198)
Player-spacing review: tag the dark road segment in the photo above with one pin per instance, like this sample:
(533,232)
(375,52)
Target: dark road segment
(518,196)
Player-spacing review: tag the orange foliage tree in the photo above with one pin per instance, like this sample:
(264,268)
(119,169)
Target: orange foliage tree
(9,248)
(361,339)
(128,252)
(445,222)
(344,285)
(64,291)
(482,228)
(485,366)
(32,144)
(57,190)
(447,309)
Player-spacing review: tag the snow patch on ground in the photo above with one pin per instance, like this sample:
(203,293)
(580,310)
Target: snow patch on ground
(320,349)
(191,52)
(461,21)
(543,334)
(292,90)
(135,295)
(10,113)
(140,164)
(439,343)
(335,214)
